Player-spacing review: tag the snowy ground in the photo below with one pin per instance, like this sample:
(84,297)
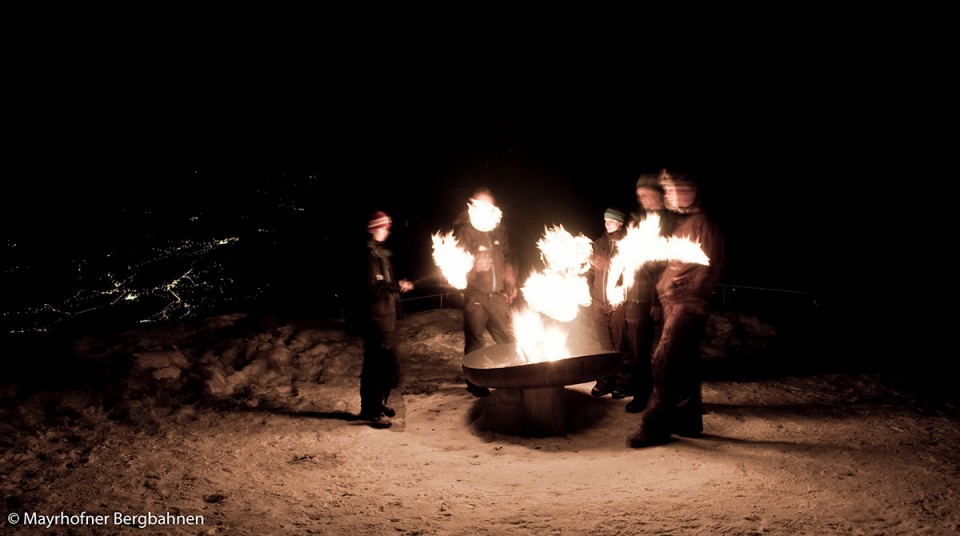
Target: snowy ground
(249,422)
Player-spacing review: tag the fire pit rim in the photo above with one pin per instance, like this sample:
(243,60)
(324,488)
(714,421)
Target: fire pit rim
(584,365)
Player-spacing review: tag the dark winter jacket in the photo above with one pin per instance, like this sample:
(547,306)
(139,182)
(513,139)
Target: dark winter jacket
(383,292)
(691,283)
(604,249)
(493,269)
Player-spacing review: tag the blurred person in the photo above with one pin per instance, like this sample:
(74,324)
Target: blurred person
(382,370)
(685,289)
(608,318)
(492,282)
(642,305)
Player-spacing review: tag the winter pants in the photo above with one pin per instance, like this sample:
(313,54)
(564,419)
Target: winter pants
(381,372)
(675,402)
(485,312)
(639,335)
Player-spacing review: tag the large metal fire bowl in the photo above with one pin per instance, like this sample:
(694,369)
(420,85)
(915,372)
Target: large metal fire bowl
(541,384)
(494,366)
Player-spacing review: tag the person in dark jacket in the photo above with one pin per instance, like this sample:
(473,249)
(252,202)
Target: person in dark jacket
(685,290)
(642,303)
(492,282)
(607,317)
(382,371)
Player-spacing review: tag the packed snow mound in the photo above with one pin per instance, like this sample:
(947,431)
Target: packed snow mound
(238,360)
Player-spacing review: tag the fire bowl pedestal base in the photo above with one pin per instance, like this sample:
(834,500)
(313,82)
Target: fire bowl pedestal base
(544,410)
(541,384)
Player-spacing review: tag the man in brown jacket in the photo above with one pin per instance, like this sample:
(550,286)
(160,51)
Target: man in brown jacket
(685,290)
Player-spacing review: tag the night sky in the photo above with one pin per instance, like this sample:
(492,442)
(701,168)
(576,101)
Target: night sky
(783,151)
(546,163)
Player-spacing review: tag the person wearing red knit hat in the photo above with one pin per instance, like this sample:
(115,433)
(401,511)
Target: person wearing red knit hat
(382,370)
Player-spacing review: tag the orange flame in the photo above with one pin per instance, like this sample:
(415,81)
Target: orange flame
(483,216)
(454,262)
(557,293)
(562,288)
(536,341)
(643,244)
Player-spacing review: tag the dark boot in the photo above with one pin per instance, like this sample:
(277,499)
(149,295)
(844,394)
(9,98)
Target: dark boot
(367,414)
(387,410)
(603,386)
(643,438)
(637,405)
(477,390)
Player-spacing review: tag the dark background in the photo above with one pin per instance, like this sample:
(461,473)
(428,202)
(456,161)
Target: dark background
(796,144)
(547,165)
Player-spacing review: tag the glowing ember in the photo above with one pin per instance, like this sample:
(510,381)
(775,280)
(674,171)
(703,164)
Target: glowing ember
(562,288)
(537,341)
(454,262)
(484,216)
(643,244)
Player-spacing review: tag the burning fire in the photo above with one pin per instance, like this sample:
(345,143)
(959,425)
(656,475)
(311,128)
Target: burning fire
(537,341)
(643,244)
(454,262)
(484,216)
(562,288)
(557,293)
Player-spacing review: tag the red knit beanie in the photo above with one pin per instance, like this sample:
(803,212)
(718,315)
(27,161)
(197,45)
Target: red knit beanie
(379,220)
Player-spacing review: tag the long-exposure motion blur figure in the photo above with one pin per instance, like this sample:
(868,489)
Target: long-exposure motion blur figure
(382,369)
(492,282)
(607,316)
(685,290)
(642,304)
